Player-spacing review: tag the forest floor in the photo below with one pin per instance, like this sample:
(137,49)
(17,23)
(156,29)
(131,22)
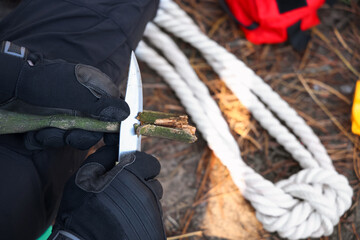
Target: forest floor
(200,197)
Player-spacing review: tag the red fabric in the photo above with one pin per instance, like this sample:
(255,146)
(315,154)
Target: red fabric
(272,24)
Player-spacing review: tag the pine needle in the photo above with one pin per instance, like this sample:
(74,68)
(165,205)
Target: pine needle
(325,109)
(336,51)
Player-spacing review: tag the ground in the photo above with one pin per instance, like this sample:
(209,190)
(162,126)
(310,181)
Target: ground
(199,196)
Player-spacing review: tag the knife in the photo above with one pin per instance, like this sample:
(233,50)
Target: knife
(129,141)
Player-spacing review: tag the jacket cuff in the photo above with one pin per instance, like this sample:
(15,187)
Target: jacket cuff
(12,60)
(63,235)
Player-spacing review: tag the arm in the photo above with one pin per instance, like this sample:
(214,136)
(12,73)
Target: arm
(99,33)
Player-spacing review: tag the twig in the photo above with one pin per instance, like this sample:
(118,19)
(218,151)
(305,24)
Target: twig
(216,25)
(150,130)
(190,213)
(356,160)
(12,122)
(330,89)
(306,56)
(342,41)
(355,232)
(197,233)
(339,231)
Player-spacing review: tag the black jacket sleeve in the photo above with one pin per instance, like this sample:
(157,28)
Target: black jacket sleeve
(100,33)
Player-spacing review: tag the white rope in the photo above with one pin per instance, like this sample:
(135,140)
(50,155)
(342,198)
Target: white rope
(309,203)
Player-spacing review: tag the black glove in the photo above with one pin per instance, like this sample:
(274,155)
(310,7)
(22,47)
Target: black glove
(53,87)
(32,182)
(108,201)
(31,84)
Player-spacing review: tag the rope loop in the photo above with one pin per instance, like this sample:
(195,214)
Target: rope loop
(309,203)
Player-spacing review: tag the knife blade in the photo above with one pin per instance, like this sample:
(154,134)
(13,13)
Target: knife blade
(129,141)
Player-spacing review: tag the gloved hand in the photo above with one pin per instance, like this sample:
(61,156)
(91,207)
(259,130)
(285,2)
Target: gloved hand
(32,182)
(35,85)
(104,201)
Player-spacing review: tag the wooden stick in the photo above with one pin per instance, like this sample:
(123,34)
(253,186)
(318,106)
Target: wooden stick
(166,120)
(151,130)
(149,117)
(11,122)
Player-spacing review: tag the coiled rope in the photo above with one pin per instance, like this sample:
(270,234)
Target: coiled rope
(309,203)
